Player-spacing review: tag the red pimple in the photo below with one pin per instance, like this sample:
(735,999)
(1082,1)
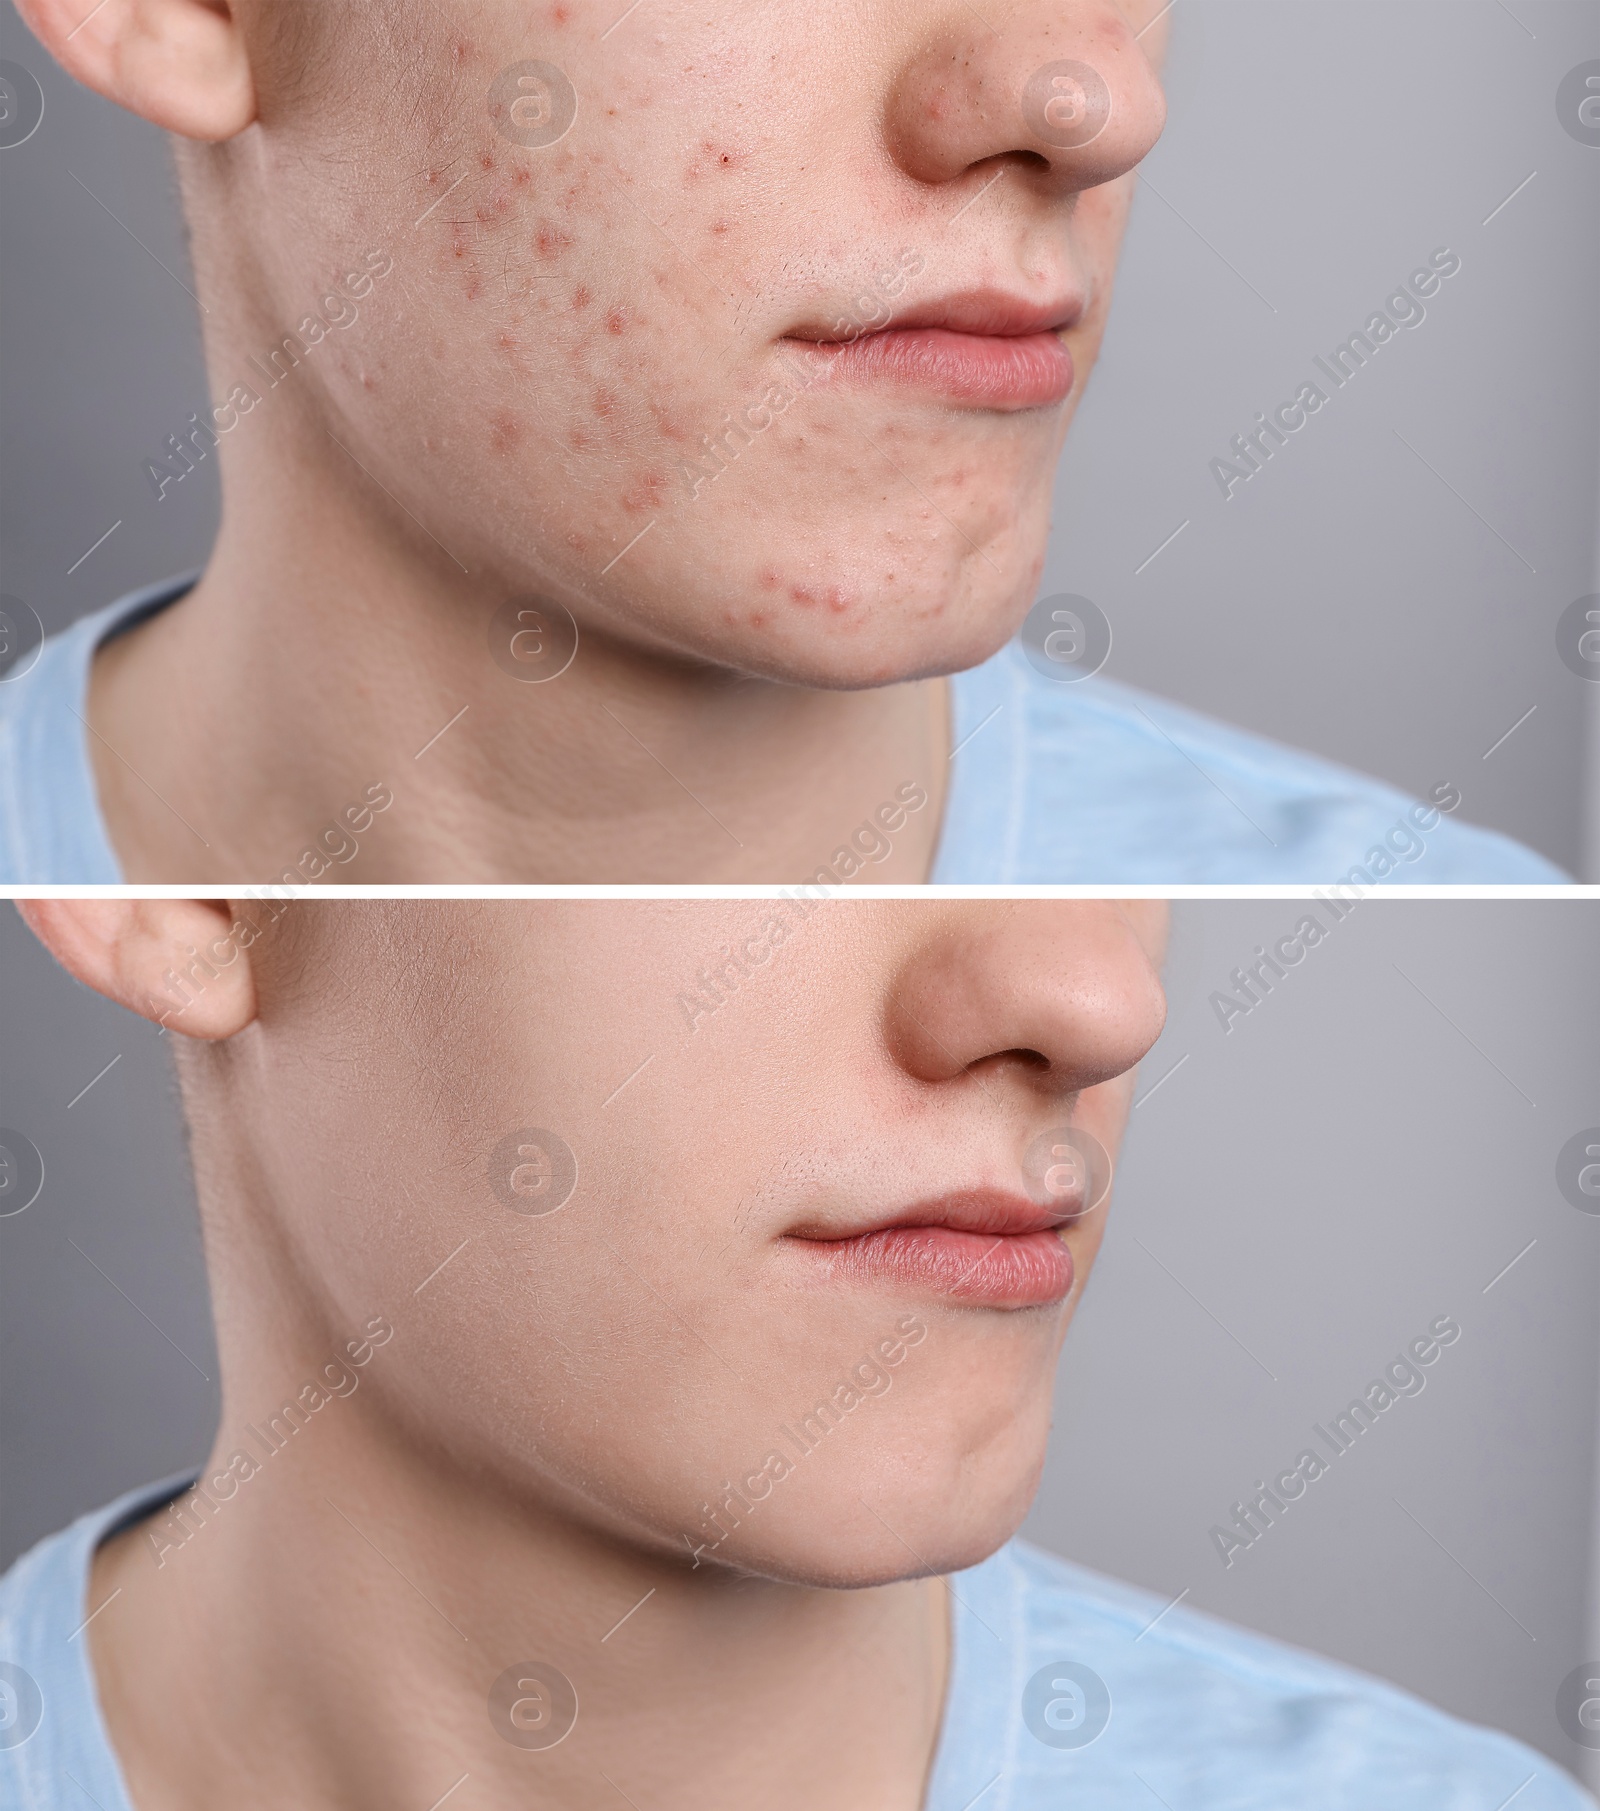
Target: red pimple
(646,494)
(581,297)
(505,431)
(770,579)
(616,321)
(487,160)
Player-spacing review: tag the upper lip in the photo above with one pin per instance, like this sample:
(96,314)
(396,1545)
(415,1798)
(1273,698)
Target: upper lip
(978,1210)
(979,311)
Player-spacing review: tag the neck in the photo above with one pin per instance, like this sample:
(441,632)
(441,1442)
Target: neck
(338,1627)
(325,703)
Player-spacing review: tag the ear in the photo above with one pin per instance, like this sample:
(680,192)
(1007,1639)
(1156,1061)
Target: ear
(179,63)
(177,962)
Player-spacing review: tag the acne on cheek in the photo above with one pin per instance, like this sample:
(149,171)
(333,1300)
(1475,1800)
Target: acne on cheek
(714,160)
(836,604)
(832,598)
(648,492)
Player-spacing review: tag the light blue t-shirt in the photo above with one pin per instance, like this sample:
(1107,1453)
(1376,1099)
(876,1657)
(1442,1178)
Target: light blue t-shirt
(1091,783)
(1065,1689)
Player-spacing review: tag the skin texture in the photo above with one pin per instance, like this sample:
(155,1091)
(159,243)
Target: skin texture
(525,405)
(526,1454)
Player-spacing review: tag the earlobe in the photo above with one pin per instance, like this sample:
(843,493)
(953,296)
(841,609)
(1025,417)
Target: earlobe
(176,962)
(182,64)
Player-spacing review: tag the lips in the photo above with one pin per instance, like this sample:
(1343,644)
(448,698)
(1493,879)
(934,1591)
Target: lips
(982,348)
(982,1247)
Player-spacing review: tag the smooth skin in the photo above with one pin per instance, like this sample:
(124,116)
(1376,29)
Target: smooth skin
(520,405)
(525,1457)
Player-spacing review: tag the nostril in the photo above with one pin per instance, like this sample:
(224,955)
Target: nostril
(1027,1059)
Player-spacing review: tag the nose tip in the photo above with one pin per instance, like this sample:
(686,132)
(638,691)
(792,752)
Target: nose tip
(1066,985)
(1075,106)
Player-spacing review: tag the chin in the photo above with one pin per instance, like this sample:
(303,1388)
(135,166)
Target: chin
(867,638)
(860,1553)
(925,1520)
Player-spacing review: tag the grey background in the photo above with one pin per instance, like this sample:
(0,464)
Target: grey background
(1344,600)
(1300,1195)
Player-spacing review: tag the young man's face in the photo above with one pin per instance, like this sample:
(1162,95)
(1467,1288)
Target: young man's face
(635,1185)
(615,334)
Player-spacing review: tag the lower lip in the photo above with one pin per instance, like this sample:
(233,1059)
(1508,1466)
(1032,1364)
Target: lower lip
(1014,1270)
(1027,371)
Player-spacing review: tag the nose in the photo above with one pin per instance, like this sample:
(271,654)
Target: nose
(1066,985)
(1063,88)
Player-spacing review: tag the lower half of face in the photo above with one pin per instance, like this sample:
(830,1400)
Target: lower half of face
(767,1224)
(671,338)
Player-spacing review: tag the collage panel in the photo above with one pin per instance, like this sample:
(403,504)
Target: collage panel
(880,1354)
(593,443)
